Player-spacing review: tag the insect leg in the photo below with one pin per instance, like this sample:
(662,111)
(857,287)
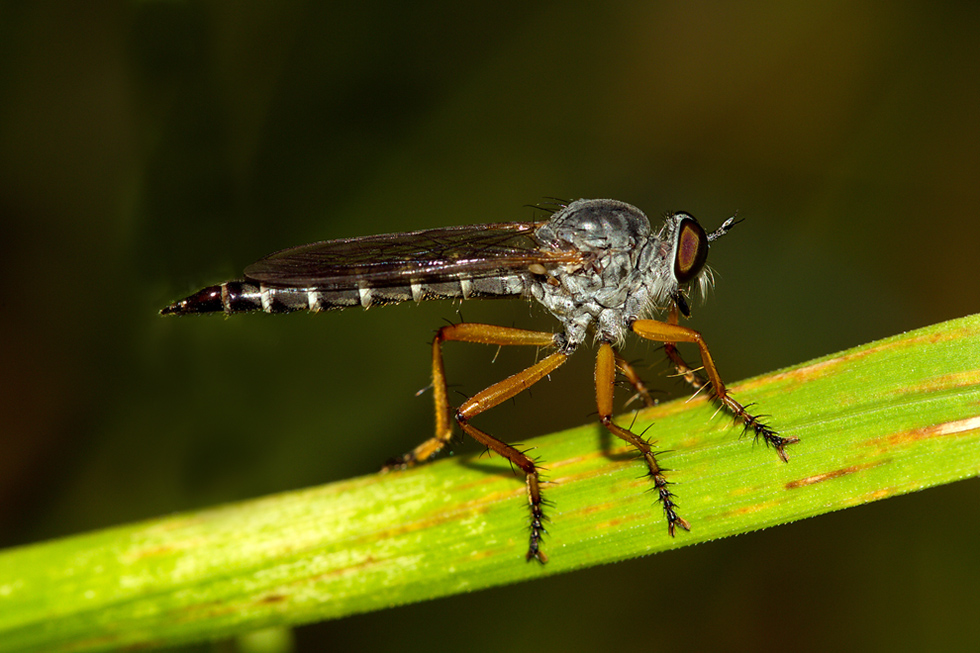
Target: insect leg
(605,377)
(497,393)
(688,373)
(487,334)
(642,392)
(674,333)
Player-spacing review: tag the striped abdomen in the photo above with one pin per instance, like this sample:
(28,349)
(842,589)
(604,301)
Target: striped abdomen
(245,296)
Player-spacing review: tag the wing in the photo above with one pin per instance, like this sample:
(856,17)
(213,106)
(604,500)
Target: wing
(427,256)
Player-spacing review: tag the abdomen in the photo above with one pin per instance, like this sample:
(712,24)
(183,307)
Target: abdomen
(247,296)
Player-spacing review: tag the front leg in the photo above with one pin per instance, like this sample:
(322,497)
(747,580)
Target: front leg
(684,370)
(640,390)
(673,333)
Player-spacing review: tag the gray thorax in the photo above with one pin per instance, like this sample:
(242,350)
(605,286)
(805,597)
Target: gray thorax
(625,274)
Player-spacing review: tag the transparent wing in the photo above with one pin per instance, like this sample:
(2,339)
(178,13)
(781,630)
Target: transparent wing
(429,256)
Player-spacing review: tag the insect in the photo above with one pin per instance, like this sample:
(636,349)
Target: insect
(595,265)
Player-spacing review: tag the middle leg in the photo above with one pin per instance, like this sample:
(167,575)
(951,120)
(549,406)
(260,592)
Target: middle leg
(605,377)
(485,334)
(492,396)
(497,393)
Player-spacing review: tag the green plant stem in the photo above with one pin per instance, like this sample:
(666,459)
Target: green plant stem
(880,420)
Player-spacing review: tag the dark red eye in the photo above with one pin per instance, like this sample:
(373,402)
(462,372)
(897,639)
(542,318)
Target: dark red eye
(690,250)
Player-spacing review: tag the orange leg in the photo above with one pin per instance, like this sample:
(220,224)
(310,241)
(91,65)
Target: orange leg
(683,369)
(605,377)
(497,393)
(642,392)
(669,334)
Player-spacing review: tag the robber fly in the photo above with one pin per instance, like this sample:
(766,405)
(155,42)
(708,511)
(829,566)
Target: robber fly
(595,265)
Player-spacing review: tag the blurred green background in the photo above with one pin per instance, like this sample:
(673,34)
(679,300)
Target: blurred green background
(149,149)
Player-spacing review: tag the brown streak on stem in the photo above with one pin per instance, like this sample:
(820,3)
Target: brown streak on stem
(826,476)
(826,367)
(959,427)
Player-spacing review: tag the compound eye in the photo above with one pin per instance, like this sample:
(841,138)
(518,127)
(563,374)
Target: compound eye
(691,250)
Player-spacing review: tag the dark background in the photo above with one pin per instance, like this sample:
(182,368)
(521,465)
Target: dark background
(149,149)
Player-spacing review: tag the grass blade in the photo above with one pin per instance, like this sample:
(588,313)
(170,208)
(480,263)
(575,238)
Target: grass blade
(887,418)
